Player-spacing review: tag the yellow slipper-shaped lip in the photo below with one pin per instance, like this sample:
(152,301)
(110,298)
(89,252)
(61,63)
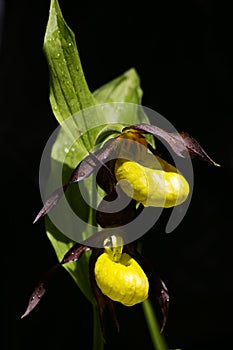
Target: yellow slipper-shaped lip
(122,281)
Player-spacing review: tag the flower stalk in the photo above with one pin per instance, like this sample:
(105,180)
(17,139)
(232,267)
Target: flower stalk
(98,340)
(153,326)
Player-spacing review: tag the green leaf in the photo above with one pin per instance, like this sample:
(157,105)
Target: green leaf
(69,92)
(125,88)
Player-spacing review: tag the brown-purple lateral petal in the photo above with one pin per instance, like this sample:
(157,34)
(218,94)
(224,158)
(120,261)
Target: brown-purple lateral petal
(181,143)
(40,290)
(35,298)
(72,255)
(105,177)
(84,169)
(172,139)
(89,164)
(194,148)
(50,202)
(163,301)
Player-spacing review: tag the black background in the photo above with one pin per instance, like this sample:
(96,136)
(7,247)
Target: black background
(182,52)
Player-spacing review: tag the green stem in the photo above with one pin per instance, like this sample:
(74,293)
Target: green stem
(153,326)
(98,340)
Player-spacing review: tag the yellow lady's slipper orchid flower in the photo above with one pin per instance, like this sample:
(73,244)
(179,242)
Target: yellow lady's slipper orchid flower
(123,281)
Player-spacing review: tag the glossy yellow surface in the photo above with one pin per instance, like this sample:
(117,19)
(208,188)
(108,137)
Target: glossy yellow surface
(122,281)
(155,183)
